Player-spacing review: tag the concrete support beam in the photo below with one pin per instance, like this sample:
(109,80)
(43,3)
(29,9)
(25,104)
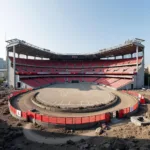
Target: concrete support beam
(137,52)
(8,72)
(14,66)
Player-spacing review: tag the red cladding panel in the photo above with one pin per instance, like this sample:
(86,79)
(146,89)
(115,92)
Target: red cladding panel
(121,112)
(69,120)
(38,117)
(135,106)
(31,114)
(24,114)
(61,120)
(97,118)
(13,110)
(107,117)
(77,120)
(103,117)
(45,119)
(53,120)
(92,119)
(126,110)
(85,119)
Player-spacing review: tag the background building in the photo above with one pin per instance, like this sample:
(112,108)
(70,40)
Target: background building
(2,68)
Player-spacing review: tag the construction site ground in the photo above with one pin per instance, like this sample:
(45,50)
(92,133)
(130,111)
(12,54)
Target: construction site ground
(121,135)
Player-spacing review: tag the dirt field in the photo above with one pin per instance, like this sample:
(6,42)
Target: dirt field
(24,103)
(74,95)
(121,136)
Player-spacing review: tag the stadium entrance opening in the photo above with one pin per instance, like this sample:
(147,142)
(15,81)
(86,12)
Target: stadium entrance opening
(75,81)
(18,84)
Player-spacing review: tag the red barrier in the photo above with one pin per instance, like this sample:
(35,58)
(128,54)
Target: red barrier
(85,120)
(31,114)
(107,116)
(44,118)
(142,100)
(103,117)
(92,119)
(69,120)
(126,110)
(13,110)
(10,107)
(135,106)
(121,113)
(53,120)
(61,120)
(38,117)
(24,115)
(97,118)
(77,120)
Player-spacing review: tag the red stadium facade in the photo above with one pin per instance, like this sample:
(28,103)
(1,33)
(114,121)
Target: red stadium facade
(120,67)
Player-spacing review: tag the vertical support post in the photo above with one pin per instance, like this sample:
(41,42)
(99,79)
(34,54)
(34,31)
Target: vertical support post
(26,56)
(18,55)
(14,66)
(137,48)
(7,51)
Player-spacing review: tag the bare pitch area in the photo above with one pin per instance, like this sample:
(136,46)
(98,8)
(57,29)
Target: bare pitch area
(74,95)
(24,103)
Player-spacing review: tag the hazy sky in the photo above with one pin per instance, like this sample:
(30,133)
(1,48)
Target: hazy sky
(75,26)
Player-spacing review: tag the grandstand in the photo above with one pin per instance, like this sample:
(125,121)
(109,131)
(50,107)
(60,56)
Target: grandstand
(108,67)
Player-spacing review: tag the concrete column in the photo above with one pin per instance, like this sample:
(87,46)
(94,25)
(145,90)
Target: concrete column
(26,56)
(18,55)
(143,58)
(14,66)
(8,81)
(137,49)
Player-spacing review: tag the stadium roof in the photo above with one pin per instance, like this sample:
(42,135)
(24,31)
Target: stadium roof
(22,47)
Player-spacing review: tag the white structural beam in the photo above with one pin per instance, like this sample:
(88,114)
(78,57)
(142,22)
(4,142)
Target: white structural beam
(14,65)
(8,79)
(137,55)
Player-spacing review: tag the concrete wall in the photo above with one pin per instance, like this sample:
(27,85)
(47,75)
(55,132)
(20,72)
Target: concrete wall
(140,76)
(24,86)
(11,74)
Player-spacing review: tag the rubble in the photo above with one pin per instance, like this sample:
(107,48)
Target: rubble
(140,120)
(70,142)
(99,131)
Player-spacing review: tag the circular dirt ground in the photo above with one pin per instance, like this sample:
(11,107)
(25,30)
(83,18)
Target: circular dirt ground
(24,102)
(74,95)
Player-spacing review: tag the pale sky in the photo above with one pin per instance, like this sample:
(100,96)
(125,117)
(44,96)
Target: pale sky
(75,26)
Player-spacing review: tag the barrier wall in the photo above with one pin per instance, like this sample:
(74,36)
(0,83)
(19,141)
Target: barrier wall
(67,121)
(137,95)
